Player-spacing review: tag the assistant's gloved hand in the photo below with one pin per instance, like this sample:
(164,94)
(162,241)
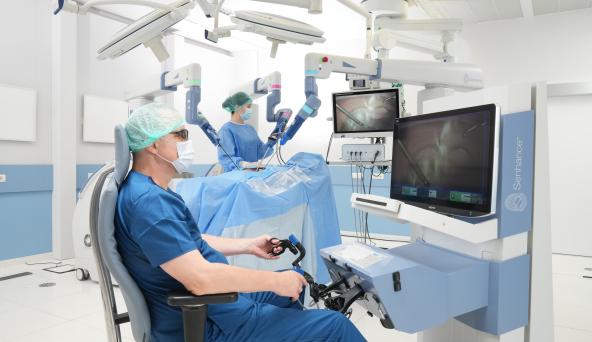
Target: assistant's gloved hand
(273,137)
(252,166)
(280,127)
(248,165)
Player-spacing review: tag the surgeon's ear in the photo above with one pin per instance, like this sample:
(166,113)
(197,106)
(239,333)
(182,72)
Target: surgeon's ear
(152,148)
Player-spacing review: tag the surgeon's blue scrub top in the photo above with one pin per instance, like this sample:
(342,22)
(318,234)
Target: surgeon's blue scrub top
(154,226)
(242,143)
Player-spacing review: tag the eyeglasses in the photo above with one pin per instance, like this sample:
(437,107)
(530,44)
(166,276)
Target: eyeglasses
(183,134)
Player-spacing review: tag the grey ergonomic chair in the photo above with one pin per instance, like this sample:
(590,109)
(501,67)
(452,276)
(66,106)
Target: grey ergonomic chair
(109,263)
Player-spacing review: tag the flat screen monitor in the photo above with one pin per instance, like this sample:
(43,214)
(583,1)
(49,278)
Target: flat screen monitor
(447,161)
(368,113)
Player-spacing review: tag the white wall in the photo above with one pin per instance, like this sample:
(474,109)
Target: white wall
(107,78)
(555,48)
(25,61)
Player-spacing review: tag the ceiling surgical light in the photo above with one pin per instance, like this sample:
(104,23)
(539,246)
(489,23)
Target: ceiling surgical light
(147,31)
(277,29)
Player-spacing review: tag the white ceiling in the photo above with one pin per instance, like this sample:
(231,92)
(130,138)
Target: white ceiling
(489,10)
(468,10)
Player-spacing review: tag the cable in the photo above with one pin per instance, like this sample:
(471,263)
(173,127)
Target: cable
(362,214)
(365,215)
(364,224)
(361,188)
(277,156)
(370,192)
(280,154)
(372,171)
(351,175)
(226,153)
(328,149)
(271,156)
(357,190)
(351,172)
(44,263)
(380,172)
(358,213)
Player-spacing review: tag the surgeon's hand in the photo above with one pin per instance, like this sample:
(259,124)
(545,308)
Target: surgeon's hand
(289,284)
(262,247)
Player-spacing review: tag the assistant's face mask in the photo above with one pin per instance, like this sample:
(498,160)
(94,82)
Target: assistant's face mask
(185,153)
(247,114)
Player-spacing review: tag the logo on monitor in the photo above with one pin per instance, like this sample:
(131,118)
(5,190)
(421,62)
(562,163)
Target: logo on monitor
(516,202)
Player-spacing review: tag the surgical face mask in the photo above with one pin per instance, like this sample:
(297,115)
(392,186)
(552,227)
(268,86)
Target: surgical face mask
(247,114)
(185,152)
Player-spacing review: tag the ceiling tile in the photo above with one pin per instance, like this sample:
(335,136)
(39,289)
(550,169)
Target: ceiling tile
(484,9)
(508,9)
(568,5)
(545,6)
(456,10)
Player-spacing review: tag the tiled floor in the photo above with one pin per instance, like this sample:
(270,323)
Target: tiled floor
(72,311)
(69,311)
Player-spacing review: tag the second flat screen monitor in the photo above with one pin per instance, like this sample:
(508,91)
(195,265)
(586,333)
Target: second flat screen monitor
(446,161)
(359,112)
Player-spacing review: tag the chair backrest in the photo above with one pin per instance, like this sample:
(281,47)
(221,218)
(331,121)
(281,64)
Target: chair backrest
(105,239)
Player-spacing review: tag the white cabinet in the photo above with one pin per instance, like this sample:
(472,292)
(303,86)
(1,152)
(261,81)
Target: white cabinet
(570,159)
(572,335)
(572,298)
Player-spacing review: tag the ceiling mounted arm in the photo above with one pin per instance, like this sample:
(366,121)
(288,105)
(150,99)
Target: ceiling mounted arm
(75,7)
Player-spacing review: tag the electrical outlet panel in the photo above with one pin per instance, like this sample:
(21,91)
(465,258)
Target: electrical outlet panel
(362,152)
(2,178)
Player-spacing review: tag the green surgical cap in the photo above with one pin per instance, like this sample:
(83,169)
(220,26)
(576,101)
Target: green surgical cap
(235,101)
(150,123)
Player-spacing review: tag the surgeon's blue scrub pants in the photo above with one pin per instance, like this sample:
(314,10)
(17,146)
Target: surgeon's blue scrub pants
(279,319)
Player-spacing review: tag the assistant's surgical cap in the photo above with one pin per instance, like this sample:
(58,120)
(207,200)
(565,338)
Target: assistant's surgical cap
(235,101)
(150,123)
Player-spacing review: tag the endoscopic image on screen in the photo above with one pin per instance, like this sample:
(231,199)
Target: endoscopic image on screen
(365,112)
(444,160)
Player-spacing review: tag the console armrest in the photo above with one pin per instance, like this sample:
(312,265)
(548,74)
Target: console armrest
(181,299)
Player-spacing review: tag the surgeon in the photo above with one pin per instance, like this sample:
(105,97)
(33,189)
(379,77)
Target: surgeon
(240,144)
(164,251)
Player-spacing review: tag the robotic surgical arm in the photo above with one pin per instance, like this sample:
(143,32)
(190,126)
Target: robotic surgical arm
(270,86)
(309,109)
(439,78)
(190,77)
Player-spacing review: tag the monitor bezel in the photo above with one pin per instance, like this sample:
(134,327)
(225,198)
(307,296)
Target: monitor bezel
(364,133)
(458,208)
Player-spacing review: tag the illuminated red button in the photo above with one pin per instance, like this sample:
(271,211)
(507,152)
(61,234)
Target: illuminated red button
(325,59)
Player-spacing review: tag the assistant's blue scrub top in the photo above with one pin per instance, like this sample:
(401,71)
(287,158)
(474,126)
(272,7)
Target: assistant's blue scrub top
(154,226)
(242,143)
